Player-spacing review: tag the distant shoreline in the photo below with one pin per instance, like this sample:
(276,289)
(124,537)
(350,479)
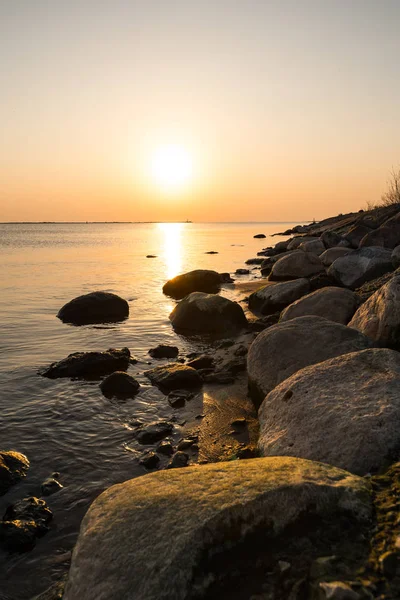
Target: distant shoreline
(140,222)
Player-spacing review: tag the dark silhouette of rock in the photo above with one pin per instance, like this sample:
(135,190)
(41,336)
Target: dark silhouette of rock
(13,466)
(259,235)
(23,522)
(200,280)
(89,365)
(174,376)
(153,432)
(207,313)
(119,385)
(96,307)
(164,351)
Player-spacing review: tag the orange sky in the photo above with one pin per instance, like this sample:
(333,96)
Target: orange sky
(288,110)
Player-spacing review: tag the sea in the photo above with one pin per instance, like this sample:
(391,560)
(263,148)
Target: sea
(67,426)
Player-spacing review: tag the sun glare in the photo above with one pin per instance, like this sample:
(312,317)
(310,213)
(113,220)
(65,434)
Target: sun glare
(171,168)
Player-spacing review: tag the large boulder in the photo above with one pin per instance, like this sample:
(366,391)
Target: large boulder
(330,255)
(361,266)
(296,265)
(356,234)
(333,303)
(283,349)
(344,412)
(199,532)
(331,239)
(200,280)
(379,316)
(300,239)
(385,236)
(315,246)
(89,365)
(207,313)
(96,307)
(174,376)
(275,296)
(13,466)
(267,263)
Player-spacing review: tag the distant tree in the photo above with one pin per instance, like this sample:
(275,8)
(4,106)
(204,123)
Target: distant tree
(392,194)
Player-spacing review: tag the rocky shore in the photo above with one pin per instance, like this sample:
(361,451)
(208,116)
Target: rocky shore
(277,475)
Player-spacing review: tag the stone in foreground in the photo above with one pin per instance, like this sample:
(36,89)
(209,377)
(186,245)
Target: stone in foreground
(96,307)
(333,303)
(13,467)
(296,265)
(274,297)
(207,313)
(361,266)
(174,376)
(89,365)
(200,280)
(283,349)
(344,412)
(119,385)
(379,316)
(155,537)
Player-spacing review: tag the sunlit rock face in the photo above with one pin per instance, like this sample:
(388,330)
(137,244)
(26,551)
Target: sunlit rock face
(200,532)
(207,313)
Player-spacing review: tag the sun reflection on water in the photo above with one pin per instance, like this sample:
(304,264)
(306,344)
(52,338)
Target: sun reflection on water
(172,248)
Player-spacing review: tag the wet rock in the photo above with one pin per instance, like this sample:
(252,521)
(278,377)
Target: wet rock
(200,280)
(13,467)
(50,486)
(207,313)
(149,461)
(226,278)
(177,398)
(153,432)
(283,349)
(96,307)
(119,385)
(174,376)
(202,362)
(164,351)
(274,297)
(254,261)
(344,412)
(179,460)
(329,256)
(379,316)
(333,303)
(259,235)
(296,266)
(89,365)
(23,522)
(172,512)
(242,272)
(361,266)
(165,448)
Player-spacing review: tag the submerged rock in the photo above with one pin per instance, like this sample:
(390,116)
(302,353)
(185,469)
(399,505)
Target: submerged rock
(89,365)
(333,303)
(23,522)
(153,432)
(96,307)
(274,297)
(13,467)
(200,280)
(119,385)
(344,412)
(238,511)
(283,349)
(174,376)
(207,313)
(50,486)
(164,351)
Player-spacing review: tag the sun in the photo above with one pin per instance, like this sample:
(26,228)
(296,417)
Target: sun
(171,168)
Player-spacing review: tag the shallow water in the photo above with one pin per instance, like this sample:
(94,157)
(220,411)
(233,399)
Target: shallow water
(68,426)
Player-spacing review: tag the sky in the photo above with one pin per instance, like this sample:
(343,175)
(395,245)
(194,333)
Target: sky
(286,110)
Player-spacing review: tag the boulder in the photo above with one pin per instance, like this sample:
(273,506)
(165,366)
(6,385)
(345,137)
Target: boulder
(242,272)
(379,316)
(356,234)
(283,349)
(23,522)
(164,351)
(275,296)
(96,307)
(267,264)
(199,531)
(296,265)
(254,261)
(344,412)
(300,239)
(13,467)
(315,246)
(385,236)
(89,365)
(174,376)
(333,303)
(396,257)
(153,432)
(330,255)
(259,235)
(119,385)
(331,239)
(207,313)
(200,280)
(361,266)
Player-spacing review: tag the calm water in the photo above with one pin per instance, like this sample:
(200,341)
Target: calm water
(68,426)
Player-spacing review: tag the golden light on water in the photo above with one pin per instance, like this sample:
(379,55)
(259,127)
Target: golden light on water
(172,248)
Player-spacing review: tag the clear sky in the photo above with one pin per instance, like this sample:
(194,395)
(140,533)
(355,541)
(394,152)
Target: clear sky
(285,109)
